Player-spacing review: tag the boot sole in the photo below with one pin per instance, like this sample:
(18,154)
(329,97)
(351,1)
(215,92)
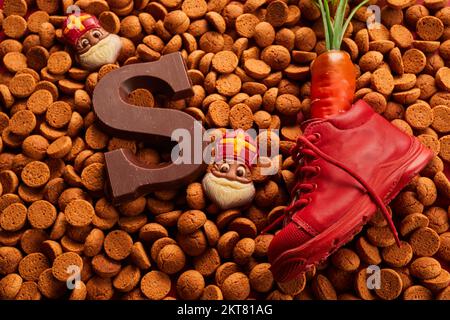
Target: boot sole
(294,261)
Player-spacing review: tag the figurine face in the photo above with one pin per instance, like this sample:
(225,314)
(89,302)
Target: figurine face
(90,39)
(233,171)
(228,184)
(98,48)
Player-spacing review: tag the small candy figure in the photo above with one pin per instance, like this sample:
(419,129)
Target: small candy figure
(228,181)
(94,46)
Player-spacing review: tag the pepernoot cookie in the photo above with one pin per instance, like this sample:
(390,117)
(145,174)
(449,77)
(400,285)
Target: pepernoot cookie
(59,63)
(191,221)
(207,262)
(35,174)
(127,279)
(425,268)
(13,217)
(32,265)
(396,256)
(323,288)
(79,213)
(419,116)
(391,285)
(412,222)
(41,214)
(224,62)
(155,285)
(439,282)
(63,266)
(212,292)
(294,286)
(441,119)
(22,123)
(425,242)
(243,250)
(429,28)
(98,288)
(29,291)
(190,285)
(417,293)
(236,286)
(105,266)
(444,151)
(171,259)
(261,278)
(367,252)
(22,85)
(346,260)
(443,78)
(10,286)
(118,244)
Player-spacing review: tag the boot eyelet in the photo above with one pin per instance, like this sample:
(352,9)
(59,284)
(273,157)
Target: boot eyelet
(309,199)
(315,186)
(317,135)
(318,169)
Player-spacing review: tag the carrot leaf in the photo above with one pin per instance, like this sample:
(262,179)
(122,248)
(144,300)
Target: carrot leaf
(334,28)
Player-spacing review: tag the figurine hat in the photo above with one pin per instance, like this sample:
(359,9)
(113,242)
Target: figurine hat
(77,24)
(237,146)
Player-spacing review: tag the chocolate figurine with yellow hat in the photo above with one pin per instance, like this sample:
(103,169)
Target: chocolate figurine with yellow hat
(228,181)
(94,46)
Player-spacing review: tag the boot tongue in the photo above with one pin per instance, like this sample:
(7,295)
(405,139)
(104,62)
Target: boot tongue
(359,113)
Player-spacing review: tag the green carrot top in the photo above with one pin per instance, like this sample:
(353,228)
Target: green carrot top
(335,28)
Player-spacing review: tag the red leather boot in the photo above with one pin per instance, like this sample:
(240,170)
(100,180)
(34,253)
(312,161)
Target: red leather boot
(348,166)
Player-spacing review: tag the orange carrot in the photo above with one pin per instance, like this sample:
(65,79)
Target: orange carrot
(333,74)
(333,84)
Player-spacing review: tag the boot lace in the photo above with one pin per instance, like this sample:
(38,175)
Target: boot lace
(304,153)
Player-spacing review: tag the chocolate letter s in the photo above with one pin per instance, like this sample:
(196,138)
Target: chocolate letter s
(128,178)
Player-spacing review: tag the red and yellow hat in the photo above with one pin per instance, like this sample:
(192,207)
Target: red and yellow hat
(78,24)
(238,146)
